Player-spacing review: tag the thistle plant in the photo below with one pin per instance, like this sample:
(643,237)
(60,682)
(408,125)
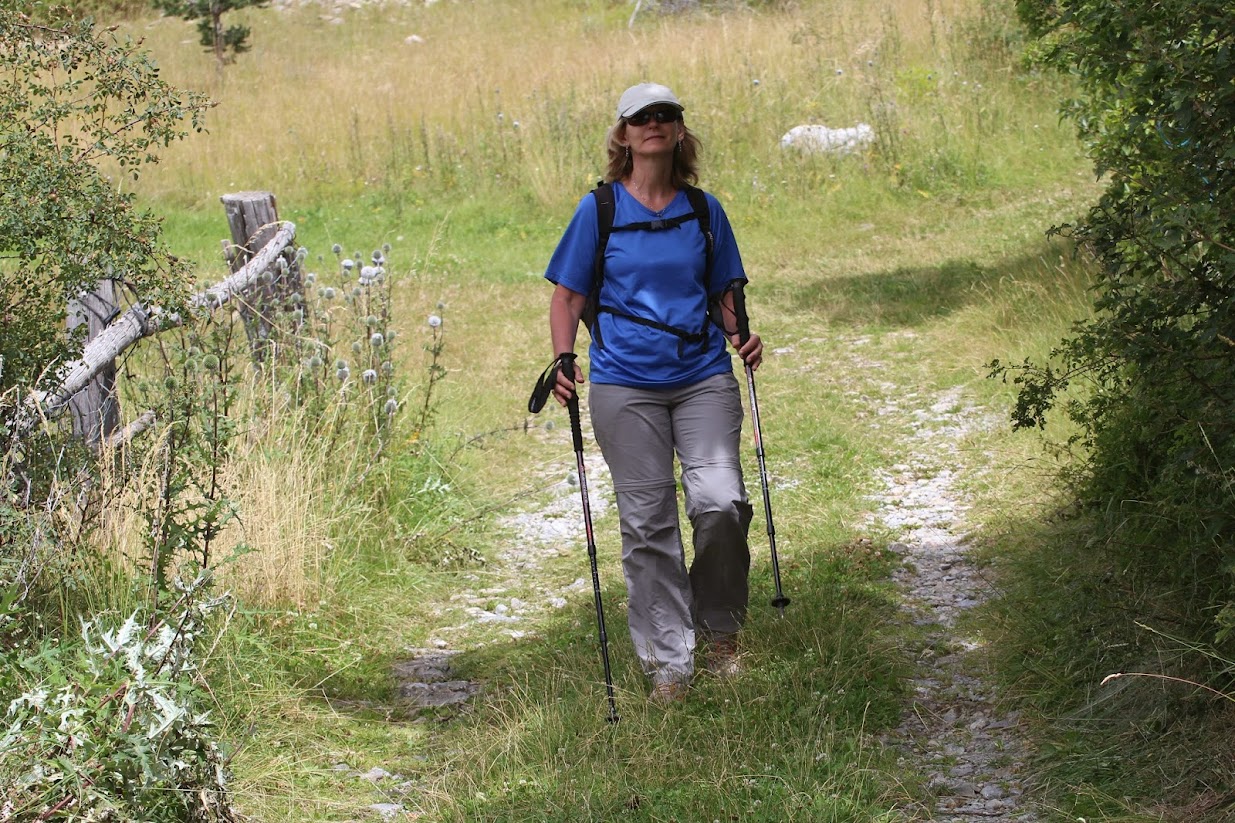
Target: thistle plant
(436,371)
(116,727)
(199,390)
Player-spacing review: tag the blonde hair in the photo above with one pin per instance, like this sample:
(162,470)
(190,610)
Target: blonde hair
(685,156)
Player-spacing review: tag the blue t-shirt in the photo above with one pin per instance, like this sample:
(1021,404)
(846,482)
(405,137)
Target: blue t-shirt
(655,275)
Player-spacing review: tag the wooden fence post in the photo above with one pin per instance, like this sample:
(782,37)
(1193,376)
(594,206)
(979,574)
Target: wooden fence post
(95,409)
(253,219)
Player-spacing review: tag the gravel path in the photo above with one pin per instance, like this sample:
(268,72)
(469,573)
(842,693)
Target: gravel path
(500,602)
(954,731)
(503,600)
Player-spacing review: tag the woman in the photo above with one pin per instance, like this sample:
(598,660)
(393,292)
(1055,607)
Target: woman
(663,384)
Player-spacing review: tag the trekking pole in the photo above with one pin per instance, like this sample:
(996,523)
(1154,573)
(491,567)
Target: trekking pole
(544,387)
(739,309)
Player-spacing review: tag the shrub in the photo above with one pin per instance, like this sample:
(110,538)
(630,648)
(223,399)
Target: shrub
(72,99)
(1156,110)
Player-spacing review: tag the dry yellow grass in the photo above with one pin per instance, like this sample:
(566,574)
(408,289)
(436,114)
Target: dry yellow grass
(497,89)
(276,552)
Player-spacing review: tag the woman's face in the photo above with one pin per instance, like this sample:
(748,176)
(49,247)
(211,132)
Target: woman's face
(654,130)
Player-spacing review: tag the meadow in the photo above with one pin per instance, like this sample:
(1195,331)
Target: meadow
(459,136)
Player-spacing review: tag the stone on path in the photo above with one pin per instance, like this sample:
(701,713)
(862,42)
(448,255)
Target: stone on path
(426,682)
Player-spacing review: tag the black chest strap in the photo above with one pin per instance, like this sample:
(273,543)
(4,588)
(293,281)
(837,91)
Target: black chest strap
(605,211)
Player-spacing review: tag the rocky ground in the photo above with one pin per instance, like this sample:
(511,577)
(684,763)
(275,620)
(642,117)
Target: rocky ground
(954,731)
(501,600)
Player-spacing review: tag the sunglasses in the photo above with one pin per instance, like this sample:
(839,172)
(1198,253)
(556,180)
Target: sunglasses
(660,116)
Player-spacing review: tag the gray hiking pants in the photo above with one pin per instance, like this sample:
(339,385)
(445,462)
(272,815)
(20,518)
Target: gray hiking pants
(639,431)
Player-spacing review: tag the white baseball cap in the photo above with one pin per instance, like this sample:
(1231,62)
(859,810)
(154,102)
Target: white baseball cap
(637,98)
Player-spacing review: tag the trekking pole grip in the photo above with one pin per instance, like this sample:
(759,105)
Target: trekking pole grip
(566,363)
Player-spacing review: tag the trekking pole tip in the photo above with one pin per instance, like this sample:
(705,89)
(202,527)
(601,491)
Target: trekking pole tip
(780,602)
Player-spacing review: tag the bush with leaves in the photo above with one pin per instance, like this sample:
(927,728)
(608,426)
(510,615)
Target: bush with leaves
(73,100)
(1156,110)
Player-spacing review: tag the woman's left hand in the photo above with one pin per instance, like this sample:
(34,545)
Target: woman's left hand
(751,352)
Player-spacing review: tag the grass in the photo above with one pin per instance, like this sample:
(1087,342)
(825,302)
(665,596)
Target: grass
(912,265)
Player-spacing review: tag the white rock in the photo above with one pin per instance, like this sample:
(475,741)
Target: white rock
(819,139)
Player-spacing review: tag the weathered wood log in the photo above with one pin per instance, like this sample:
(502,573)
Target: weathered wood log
(143,422)
(95,409)
(139,322)
(253,219)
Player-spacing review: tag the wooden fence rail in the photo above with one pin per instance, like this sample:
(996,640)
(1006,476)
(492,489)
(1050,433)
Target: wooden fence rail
(139,322)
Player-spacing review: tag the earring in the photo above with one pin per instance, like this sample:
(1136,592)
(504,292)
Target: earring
(679,146)
(628,154)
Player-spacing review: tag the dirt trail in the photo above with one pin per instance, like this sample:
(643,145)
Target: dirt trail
(502,600)
(954,731)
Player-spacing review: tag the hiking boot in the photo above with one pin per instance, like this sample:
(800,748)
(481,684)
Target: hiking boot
(723,659)
(667,693)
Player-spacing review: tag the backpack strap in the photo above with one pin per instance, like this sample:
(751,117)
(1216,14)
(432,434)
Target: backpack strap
(699,205)
(605,208)
(605,211)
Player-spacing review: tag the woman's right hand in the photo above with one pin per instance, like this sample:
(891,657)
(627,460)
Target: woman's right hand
(564,389)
